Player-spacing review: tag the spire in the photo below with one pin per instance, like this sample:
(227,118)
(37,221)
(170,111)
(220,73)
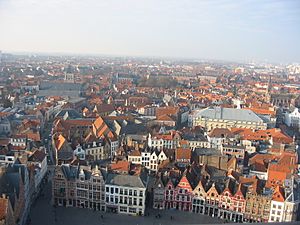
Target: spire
(269,84)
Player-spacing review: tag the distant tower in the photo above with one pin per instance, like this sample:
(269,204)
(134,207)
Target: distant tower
(69,76)
(269,84)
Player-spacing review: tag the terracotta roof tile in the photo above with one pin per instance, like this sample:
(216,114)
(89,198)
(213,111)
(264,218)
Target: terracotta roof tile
(183,153)
(3,208)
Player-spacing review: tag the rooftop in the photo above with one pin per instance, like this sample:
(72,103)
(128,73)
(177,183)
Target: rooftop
(228,114)
(125,180)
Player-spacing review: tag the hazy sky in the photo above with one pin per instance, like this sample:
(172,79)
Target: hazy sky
(213,29)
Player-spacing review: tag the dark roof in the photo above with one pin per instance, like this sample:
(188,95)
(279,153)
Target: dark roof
(206,151)
(70,172)
(37,156)
(10,182)
(132,128)
(72,114)
(125,180)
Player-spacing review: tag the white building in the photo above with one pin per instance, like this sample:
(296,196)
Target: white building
(99,150)
(125,194)
(135,157)
(164,141)
(18,140)
(114,144)
(149,158)
(293,119)
(7,159)
(79,152)
(5,127)
(284,206)
(148,110)
(156,158)
(197,142)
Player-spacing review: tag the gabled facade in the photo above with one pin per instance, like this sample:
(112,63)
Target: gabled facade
(277,205)
(159,193)
(212,200)
(183,194)
(257,207)
(199,198)
(170,195)
(75,187)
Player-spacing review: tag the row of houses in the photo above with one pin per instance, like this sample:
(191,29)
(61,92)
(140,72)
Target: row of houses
(20,183)
(195,190)
(231,199)
(98,189)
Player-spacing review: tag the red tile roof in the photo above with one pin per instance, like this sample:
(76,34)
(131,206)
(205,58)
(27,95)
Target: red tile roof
(183,153)
(3,208)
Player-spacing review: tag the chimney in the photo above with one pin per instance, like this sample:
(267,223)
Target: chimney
(282,146)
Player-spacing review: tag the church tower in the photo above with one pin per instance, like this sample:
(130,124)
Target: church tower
(69,75)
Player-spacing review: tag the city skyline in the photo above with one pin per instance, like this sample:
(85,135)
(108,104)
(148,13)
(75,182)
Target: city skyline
(221,29)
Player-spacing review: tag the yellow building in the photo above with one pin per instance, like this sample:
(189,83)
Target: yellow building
(218,117)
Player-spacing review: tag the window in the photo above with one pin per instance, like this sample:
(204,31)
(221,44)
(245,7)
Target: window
(132,210)
(129,201)
(123,209)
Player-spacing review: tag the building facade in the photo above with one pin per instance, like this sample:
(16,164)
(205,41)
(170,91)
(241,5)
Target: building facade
(125,194)
(217,117)
(77,187)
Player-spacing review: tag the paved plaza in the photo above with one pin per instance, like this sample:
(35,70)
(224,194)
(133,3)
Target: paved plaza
(42,213)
